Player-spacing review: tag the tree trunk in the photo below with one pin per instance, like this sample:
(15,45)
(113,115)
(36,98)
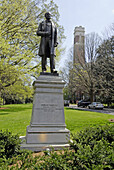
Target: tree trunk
(91,95)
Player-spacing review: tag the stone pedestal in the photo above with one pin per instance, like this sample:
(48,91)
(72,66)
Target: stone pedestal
(47,128)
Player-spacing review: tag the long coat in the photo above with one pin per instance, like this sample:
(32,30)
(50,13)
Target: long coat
(41,32)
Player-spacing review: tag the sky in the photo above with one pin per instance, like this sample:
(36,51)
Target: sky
(95,15)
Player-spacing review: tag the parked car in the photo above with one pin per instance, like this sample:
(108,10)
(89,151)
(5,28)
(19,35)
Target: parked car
(83,103)
(66,102)
(96,105)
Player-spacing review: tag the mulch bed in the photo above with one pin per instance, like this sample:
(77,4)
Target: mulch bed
(34,155)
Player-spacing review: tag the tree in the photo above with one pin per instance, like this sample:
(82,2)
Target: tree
(18,93)
(104,70)
(67,75)
(83,69)
(16,22)
(92,74)
(81,74)
(19,44)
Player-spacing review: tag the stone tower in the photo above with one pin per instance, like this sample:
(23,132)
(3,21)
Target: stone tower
(79,44)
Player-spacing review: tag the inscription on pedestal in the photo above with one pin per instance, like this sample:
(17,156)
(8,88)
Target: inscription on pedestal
(48,113)
(49,107)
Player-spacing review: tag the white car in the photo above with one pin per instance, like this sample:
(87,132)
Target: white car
(95,105)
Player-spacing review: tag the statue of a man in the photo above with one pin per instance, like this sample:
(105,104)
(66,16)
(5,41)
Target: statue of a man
(48,32)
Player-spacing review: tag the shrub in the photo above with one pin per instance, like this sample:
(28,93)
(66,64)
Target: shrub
(9,144)
(49,161)
(91,149)
(94,148)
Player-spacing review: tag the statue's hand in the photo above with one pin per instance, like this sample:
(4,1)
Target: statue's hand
(46,33)
(56,44)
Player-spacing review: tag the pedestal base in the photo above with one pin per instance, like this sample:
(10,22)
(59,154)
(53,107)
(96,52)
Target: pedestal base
(47,128)
(43,147)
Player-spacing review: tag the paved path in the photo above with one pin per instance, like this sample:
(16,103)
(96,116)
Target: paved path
(105,110)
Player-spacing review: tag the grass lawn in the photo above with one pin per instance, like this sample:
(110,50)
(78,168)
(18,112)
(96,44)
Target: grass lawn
(77,120)
(17,117)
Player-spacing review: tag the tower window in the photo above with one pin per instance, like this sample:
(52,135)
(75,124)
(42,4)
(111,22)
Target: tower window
(82,39)
(76,39)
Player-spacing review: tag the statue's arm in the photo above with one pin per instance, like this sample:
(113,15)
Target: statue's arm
(40,32)
(55,38)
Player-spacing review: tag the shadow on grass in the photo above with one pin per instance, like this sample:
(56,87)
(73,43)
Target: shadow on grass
(67,108)
(15,109)
(4,113)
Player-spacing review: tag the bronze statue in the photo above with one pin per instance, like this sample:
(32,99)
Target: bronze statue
(48,32)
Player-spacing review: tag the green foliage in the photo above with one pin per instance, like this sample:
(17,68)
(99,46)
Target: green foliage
(1,101)
(90,134)
(9,144)
(94,148)
(18,92)
(16,21)
(104,71)
(90,149)
(19,20)
(56,160)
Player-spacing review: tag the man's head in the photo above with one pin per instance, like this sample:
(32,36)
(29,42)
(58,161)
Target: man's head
(47,15)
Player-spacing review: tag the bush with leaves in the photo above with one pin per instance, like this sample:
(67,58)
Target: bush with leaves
(94,148)
(9,144)
(90,149)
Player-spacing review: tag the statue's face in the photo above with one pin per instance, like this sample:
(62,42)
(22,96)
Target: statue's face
(48,16)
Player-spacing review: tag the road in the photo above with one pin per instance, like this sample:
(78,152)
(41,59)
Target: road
(105,110)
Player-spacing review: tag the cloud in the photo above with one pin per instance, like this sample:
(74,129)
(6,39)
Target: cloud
(113,11)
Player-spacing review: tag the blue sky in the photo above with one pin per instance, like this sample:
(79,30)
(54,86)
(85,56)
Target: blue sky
(94,15)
